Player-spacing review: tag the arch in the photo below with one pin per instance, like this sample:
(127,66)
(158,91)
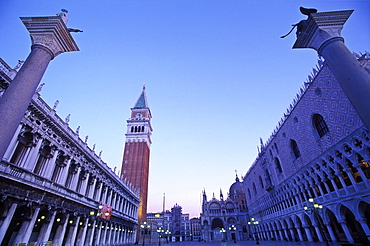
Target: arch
(217,223)
(320,125)
(350,223)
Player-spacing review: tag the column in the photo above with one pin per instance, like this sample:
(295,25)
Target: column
(71,237)
(365,227)
(286,233)
(33,156)
(91,234)
(26,229)
(12,144)
(59,235)
(50,37)
(331,232)
(318,232)
(84,181)
(5,225)
(281,234)
(99,227)
(308,233)
(50,165)
(75,178)
(64,175)
(46,229)
(104,234)
(292,233)
(300,234)
(322,33)
(81,237)
(346,230)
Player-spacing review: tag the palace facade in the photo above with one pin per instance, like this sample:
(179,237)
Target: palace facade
(55,189)
(311,178)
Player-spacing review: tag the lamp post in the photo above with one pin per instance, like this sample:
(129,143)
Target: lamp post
(232,228)
(223,231)
(254,223)
(315,208)
(144,227)
(160,232)
(168,234)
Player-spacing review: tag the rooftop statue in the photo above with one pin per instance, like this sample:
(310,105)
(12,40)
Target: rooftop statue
(302,23)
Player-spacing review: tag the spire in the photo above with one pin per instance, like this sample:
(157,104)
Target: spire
(237,178)
(142,102)
(221,195)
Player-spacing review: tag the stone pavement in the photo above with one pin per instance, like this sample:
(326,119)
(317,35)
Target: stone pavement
(242,243)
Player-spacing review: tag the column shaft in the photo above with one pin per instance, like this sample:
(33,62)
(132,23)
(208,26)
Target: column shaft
(18,96)
(5,225)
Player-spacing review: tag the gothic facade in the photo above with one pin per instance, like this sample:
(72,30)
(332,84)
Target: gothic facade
(311,179)
(56,189)
(225,219)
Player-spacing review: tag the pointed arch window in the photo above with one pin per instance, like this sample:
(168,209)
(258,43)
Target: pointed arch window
(261,182)
(320,125)
(278,165)
(295,149)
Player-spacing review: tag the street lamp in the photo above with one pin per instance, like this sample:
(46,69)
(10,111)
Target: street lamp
(144,227)
(315,208)
(168,233)
(223,231)
(254,223)
(233,228)
(160,232)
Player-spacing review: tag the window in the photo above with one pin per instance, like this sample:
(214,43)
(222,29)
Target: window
(320,125)
(24,141)
(261,182)
(278,165)
(294,147)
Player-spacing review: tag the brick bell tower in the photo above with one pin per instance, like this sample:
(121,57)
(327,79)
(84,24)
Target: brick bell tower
(135,163)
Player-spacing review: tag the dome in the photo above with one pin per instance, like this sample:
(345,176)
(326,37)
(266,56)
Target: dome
(236,188)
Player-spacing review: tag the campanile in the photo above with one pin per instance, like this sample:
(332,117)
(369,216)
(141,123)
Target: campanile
(135,163)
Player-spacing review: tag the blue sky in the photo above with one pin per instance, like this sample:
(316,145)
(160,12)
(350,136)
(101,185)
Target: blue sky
(218,78)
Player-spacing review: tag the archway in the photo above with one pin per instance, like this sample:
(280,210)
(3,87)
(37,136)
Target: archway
(216,226)
(354,227)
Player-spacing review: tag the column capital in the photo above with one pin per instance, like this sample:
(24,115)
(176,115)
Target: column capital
(50,33)
(322,28)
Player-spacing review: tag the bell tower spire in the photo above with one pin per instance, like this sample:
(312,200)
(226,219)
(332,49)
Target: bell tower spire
(135,163)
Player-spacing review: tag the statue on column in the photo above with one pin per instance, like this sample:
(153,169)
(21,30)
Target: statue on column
(302,23)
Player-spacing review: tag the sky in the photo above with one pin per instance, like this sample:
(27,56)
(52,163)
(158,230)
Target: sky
(218,78)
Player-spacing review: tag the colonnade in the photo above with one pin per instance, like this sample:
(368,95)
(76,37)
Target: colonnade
(43,224)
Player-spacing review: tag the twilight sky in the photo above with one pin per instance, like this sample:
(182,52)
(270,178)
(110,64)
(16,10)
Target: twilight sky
(218,78)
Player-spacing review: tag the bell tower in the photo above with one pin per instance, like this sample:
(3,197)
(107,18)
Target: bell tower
(135,163)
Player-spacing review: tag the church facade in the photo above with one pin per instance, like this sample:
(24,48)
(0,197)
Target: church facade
(55,189)
(225,219)
(311,178)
